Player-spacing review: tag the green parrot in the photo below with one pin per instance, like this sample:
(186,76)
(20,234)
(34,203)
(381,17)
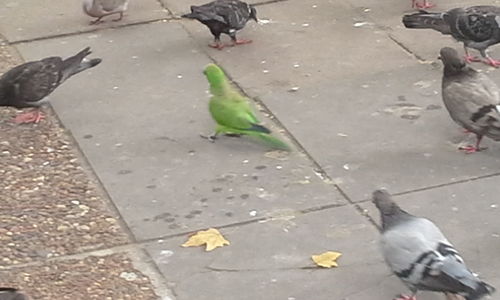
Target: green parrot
(232,111)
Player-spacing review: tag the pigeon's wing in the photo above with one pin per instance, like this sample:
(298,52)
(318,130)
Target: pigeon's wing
(447,273)
(406,247)
(238,14)
(208,12)
(472,102)
(31,82)
(476,23)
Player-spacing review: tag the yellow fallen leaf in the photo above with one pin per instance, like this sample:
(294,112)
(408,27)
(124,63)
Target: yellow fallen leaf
(327,259)
(211,237)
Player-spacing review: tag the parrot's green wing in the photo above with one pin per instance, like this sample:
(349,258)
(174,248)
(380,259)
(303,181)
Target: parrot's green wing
(234,114)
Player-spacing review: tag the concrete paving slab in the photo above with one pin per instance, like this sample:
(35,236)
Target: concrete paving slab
(423,43)
(468,215)
(366,110)
(271,260)
(138,121)
(31,19)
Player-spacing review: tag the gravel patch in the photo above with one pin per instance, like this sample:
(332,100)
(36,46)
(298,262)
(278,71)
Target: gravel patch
(93,277)
(49,206)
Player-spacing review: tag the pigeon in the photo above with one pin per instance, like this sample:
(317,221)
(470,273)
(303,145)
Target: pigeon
(11,294)
(420,255)
(476,26)
(27,84)
(101,8)
(471,98)
(425,4)
(224,16)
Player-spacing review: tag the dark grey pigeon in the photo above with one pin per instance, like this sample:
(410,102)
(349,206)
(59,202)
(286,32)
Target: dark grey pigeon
(471,98)
(27,84)
(421,256)
(478,27)
(11,294)
(224,16)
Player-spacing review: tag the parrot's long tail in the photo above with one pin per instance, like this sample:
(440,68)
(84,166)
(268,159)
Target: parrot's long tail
(272,141)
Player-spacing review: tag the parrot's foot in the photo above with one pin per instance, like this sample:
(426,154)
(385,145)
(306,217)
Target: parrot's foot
(210,138)
(216,45)
(426,4)
(240,42)
(34,116)
(492,62)
(469,149)
(467,131)
(470,59)
(404,297)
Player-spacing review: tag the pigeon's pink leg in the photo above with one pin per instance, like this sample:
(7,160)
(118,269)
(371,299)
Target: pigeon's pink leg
(242,42)
(425,5)
(470,58)
(216,45)
(473,149)
(34,116)
(120,18)
(492,62)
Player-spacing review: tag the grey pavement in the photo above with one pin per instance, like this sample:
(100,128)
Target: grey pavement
(367,114)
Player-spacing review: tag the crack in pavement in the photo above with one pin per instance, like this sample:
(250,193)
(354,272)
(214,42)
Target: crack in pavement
(171,17)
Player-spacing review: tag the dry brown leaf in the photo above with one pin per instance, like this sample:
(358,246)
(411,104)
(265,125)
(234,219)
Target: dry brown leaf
(211,237)
(327,259)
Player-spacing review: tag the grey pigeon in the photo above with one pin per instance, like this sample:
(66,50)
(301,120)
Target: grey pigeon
(11,294)
(224,16)
(421,256)
(476,26)
(102,8)
(471,98)
(27,84)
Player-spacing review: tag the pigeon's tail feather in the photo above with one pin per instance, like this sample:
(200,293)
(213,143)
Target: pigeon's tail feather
(489,117)
(425,19)
(270,140)
(75,64)
(189,16)
(455,277)
(84,65)
(193,14)
(7,289)
(482,289)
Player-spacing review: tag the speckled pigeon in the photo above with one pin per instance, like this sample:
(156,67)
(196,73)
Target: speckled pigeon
(102,8)
(471,98)
(11,294)
(421,256)
(27,84)
(476,26)
(224,16)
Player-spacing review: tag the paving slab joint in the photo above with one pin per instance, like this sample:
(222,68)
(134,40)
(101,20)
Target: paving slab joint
(90,30)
